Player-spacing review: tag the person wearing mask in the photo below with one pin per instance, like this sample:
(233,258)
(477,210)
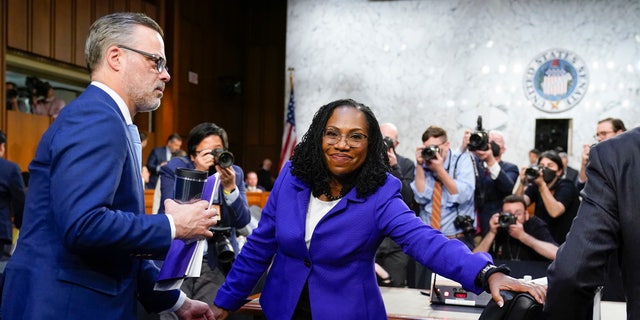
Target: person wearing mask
(159,156)
(606,129)
(556,200)
(607,223)
(12,193)
(203,139)
(85,237)
(329,209)
(515,235)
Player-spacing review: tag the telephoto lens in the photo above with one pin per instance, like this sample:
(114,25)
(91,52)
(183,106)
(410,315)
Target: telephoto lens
(222,157)
(429,153)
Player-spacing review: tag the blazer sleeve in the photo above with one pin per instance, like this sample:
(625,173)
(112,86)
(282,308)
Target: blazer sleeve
(580,262)
(89,162)
(17,191)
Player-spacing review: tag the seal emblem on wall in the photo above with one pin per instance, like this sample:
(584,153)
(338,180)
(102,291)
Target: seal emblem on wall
(556,80)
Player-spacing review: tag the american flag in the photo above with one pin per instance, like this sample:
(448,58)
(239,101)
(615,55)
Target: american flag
(289,135)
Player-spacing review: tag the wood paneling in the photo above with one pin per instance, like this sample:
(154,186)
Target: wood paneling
(41,36)
(63,31)
(21,143)
(225,42)
(83,21)
(18,19)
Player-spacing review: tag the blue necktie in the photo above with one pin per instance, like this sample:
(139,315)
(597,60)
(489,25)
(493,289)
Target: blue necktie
(137,144)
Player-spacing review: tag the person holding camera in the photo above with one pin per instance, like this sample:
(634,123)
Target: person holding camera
(556,200)
(495,178)
(444,186)
(515,235)
(207,146)
(607,128)
(389,256)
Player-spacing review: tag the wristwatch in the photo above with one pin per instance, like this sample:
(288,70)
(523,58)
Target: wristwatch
(482,280)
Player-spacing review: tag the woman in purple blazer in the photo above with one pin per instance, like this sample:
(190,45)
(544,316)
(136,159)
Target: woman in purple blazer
(329,209)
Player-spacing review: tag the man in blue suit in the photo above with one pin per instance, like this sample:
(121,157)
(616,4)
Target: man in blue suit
(160,156)
(11,199)
(85,236)
(495,178)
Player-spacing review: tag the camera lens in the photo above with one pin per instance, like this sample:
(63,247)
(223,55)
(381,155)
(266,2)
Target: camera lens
(532,173)
(429,153)
(222,157)
(224,249)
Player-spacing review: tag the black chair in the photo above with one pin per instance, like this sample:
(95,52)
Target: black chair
(517,306)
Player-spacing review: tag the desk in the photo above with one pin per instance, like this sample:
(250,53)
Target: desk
(406,304)
(257,198)
(403,303)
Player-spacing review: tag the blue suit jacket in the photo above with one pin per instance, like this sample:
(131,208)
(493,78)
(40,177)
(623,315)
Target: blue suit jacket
(156,157)
(339,265)
(11,198)
(238,211)
(84,229)
(494,190)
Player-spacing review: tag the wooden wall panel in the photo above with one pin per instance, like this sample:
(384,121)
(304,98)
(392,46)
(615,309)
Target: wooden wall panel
(63,31)
(82,23)
(41,36)
(21,143)
(100,8)
(18,25)
(135,6)
(120,6)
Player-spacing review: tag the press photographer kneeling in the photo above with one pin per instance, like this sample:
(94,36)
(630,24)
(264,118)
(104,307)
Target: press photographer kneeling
(514,235)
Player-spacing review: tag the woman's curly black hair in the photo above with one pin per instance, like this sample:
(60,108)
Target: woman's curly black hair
(308,161)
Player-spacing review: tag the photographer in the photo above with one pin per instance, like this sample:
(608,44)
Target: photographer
(389,256)
(514,235)
(437,164)
(556,199)
(495,178)
(205,144)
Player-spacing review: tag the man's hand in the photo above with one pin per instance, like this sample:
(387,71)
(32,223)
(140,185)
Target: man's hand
(516,230)
(227,177)
(192,220)
(585,153)
(194,309)
(219,313)
(391,153)
(494,223)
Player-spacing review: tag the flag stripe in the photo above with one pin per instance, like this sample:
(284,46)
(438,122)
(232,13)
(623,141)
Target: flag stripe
(289,134)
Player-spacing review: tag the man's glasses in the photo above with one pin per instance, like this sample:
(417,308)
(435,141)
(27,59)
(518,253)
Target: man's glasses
(602,134)
(353,139)
(161,63)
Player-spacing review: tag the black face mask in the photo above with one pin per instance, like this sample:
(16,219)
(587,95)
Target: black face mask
(548,175)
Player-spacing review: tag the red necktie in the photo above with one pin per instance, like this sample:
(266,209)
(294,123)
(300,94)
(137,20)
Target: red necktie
(436,205)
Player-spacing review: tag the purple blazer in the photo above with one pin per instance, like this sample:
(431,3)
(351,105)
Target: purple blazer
(339,265)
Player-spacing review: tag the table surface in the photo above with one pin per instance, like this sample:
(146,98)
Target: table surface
(406,303)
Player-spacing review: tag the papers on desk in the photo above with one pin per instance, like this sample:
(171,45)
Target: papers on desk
(184,259)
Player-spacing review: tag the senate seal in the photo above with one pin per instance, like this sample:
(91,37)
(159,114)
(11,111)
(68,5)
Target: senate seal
(556,80)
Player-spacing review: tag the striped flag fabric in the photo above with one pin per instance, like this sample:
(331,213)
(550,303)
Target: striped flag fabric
(289,134)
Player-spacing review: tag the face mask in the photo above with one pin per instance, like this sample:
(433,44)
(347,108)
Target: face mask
(548,175)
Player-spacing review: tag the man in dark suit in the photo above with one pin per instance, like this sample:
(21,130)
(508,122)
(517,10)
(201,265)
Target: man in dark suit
(11,199)
(570,174)
(160,156)
(495,178)
(85,234)
(607,221)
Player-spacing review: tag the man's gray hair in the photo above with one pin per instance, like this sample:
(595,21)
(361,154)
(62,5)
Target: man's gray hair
(113,29)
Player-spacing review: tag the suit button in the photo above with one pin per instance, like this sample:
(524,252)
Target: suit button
(307,263)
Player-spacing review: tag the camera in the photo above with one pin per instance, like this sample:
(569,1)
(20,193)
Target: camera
(506,219)
(479,139)
(532,173)
(388,142)
(465,223)
(222,157)
(429,153)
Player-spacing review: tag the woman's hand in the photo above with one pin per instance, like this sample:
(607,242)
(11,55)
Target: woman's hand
(500,281)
